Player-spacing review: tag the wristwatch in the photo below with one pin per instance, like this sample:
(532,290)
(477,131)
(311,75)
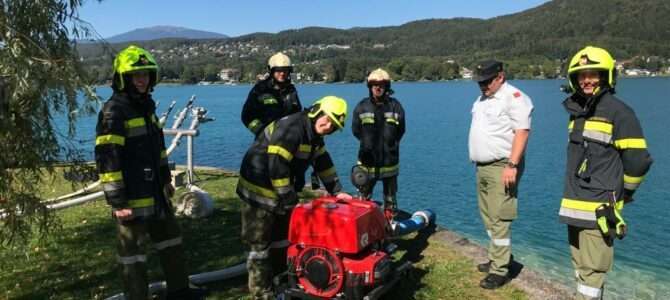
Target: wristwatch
(512,165)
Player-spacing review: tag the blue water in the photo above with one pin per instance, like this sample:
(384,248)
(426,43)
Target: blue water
(436,173)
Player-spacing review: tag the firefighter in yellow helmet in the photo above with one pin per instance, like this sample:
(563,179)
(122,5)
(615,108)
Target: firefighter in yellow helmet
(132,165)
(378,122)
(283,151)
(607,160)
(273,97)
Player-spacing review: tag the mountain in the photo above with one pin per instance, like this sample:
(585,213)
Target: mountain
(162,32)
(534,43)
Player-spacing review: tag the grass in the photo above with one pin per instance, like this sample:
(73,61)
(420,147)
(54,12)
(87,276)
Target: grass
(77,261)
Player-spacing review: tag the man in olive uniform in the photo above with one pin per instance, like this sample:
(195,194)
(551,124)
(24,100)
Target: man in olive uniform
(132,164)
(272,98)
(379,124)
(607,160)
(501,118)
(283,151)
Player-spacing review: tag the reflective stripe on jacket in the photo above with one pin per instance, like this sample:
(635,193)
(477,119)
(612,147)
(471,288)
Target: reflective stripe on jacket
(607,156)
(379,128)
(273,169)
(266,103)
(130,154)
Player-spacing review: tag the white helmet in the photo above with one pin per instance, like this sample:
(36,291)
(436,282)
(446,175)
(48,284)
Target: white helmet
(379,75)
(279,60)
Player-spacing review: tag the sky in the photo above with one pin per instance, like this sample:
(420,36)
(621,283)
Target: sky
(234,18)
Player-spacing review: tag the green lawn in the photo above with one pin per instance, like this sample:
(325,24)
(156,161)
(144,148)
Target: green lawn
(78,260)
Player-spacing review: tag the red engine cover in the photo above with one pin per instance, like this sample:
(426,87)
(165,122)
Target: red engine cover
(347,226)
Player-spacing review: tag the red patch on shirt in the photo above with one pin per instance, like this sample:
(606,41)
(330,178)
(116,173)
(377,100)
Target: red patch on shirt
(517,94)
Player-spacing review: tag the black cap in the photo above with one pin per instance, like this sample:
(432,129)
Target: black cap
(487,69)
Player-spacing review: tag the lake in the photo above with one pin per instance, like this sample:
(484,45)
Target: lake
(435,172)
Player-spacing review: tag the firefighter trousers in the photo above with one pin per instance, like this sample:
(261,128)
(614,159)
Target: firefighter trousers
(592,258)
(498,208)
(266,233)
(165,235)
(390,189)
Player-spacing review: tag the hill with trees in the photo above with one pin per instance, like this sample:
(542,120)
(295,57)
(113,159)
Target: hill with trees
(534,43)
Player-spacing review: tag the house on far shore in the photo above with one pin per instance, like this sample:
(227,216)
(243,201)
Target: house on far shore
(229,75)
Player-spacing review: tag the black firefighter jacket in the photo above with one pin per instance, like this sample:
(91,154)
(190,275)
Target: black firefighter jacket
(277,157)
(379,128)
(130,154)
(606,157)
(267,103)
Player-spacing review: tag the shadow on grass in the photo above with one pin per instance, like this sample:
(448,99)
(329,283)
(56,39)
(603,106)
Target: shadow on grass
(414,247)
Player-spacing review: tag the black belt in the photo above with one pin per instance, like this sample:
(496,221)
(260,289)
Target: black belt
(481,164)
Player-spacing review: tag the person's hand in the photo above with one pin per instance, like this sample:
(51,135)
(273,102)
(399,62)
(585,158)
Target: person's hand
(343,196)
(124,214)
(509,177)
(168,189)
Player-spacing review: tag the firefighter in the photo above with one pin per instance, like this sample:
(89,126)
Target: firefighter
(501,119)
(132,165)
(379,124)
(283,150)
(273,97)
(607,160)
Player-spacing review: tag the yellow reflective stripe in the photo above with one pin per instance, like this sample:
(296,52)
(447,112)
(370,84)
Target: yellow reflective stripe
(253,124)
(598,126)
(281,182)
(111,176)
(631,144)
(580,204)
(632,179)
(110,139)
(327,172)
(392,120)
(136,122)
(258,189)
(274,149)
(367,120)
(143,202)
(320,151)
(571,125)
(305,148)
(268,101)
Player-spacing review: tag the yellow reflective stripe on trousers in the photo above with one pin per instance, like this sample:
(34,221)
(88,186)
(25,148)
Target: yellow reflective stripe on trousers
(142,202)
(580,204)
(279,150)
(631,144)
(168,243)
(392,120)
(280,182)
(110,139)
(258,189)
(111,176)
(368,120)
(129,260)
(327,173)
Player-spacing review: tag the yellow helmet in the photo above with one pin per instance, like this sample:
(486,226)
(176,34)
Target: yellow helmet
(334,107)
(592,58)
(134,59)
(279,60)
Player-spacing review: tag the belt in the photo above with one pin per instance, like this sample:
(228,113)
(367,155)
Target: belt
(481,164)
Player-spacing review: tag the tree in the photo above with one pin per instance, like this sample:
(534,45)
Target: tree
(42,77)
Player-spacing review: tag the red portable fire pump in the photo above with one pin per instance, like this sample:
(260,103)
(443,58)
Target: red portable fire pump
(339,249)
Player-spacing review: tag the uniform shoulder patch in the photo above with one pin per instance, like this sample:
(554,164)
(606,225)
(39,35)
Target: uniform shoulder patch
(517,94)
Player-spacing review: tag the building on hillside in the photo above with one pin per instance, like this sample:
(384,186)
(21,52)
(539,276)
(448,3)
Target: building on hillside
(466,73)
(229,75)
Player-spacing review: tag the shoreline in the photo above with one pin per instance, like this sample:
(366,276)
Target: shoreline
(533,283)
